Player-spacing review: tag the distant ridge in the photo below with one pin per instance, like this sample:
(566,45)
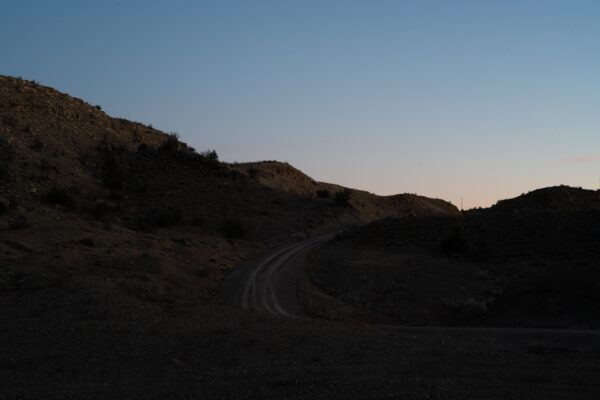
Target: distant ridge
(555,198)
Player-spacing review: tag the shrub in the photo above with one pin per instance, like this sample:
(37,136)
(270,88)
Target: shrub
(113,175)
(100,209)
(141,224)
(455,243)
(88,242)
(198,220)
(233,228)
(323,193)
(142,188)
(162,217)
(37,145)
(210,155)
(142,147)
(116,195)
(19,223)
(59,196)
(342,197)
(171,144)
(253,172)
(168,216)
(6,157)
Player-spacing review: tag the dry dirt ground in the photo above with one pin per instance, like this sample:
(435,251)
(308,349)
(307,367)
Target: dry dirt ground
(87,339)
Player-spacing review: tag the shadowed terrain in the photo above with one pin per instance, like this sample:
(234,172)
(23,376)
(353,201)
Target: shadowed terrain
(115,237)
(531,261)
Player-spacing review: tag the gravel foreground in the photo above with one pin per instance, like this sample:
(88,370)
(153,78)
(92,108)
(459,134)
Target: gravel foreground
(85,339)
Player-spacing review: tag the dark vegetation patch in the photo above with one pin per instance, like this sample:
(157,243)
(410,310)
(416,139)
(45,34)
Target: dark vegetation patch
(171,143)
(253,172)
(323,193)
(166,216)
(100,210)
(342,197)
(233,228)
(6,158)
(37,145)
(112,172)
(210,157)
(455,243)
(198,220)
(20,222)
(87,242)
(60,196)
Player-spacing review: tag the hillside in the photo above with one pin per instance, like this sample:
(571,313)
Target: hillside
(531,261)
(556,198)
(366,206)
(86,195)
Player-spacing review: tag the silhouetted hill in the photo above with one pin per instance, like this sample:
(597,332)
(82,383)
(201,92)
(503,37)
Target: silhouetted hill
(531,261)
(367,206)
(556,198)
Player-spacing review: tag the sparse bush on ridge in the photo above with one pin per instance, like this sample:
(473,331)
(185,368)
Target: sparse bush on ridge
(210,156)
(171,143)
(342,197)
(253,172)
(173,146)
(233,228)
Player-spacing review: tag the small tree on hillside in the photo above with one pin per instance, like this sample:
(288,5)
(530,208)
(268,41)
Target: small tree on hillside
(342,197)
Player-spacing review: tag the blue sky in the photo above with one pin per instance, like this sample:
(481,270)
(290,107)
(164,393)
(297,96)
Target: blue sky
(478,99)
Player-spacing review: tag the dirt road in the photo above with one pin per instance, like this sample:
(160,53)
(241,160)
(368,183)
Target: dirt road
(270,284)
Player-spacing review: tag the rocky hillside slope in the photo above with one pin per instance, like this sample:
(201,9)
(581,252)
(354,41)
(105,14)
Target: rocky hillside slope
(87,196)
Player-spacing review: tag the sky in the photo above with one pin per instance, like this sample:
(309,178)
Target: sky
(479,100)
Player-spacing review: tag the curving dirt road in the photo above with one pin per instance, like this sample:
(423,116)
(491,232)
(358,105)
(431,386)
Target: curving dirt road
(264,285)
